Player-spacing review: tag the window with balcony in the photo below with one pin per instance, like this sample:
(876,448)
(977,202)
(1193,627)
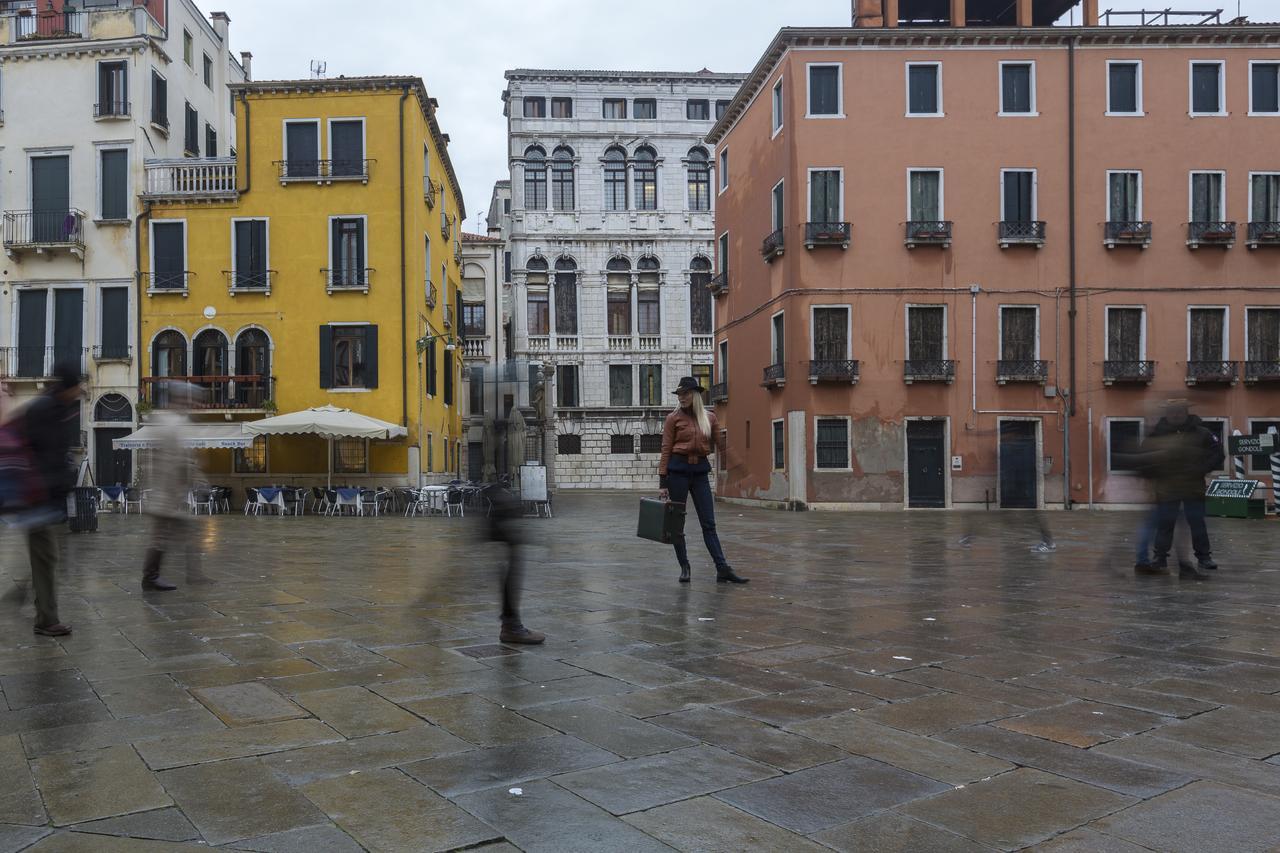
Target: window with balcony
(1020,345)
(49,316)
(831,444)
(208,71)
(562,107)
(113,203)
(567,386)
(722,107)
(646,178)
(168,255)
(1207,341)
(700,322)
(566,286)
(562,196)
(535,107)
(473,320)
(1262,343)
(645,108)
(777,348)
(1264,88)
(697,110)
(614,108)
(1208,196)
(615,179)
(777,106)
(778,208)
(723,361)
(1017,88)
(1124,436)
(537,300)
(926,335)
(191,131)
(1124,88)
(825,96)
(1124,196)
(699,179)
(210,141)
(346,148)
(619,312)
(651,385)
(620,392)
(249,252)
(648,321)
(349,356)
(113,89)
(302,148)
(168,354)
(209,358)
(722,253)
(1126,345)
(535,178)
(448,377)
(348,252)
(924,88)
(113,319)
(1208,88)
(925,222)
(1018,204)
(1264,208)
(831,333)
(159,101)
(253,365)
(779,446)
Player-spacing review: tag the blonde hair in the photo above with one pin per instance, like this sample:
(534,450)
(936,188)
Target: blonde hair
(700,415)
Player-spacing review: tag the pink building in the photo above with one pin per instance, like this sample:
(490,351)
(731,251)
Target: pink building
(959,264)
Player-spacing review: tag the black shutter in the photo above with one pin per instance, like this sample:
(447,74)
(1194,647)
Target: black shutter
(105,93)
(159,100)
(301,144)
(68,326)
(326,356)
(1266,88)
(335,242)
(448,377)
(346,147)
(115,321)
(115,184)
(371,356)
(32,307)
(431,367)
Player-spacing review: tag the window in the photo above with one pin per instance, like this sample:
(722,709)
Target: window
(700,322)
(506,266)
(1207,334)
(431,361)
(619,311)
(777,338)
(113,335)
(350,455)
(535,107)
(208,71)
(777,106)
(188,49)
(925,195)
(249,253)
(615,179)
(114,177)
(722,107)
(1126,334)
(302,148)
(448,377)
(651,385)
(567,385)
(924,88)
(251,459)
(168,353)
(1017,88)
(1124,435)
(831,444)
(346,148)
(562,107)
(614,108)
(646,178)
(696,110)
(1208,90)
(779,209)
(475,389)
(348,356)
(1264,197)
(826,196)
(622,444)
(1124,196)
(473,319)
(926,332)
(722,253)
(647,311)
(1208,196)
(1264,88)
(702,373)
(253,359)
(1124,88)
(620,393)
(191,135)
(824,90)
(209,354)
(348,252)
(539,311)
(779,446)
(566,297)
(535,178)
(168,255)
(562,178)
(113,89)
(699,179)
(568,444)
(830,333)
(645,108)
(1262,335)
(1018,195)
(210,141)
(1261,464)
(159,101)
(724,361)
(651,442)
(1019,333)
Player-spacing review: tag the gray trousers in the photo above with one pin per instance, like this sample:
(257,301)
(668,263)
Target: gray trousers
(42,546)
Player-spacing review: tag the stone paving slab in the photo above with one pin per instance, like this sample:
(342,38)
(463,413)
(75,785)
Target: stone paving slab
(166,824)
(310,839)
(1087,840)
(781,709)
(166,753)
(1202,816)
(1082,724)
(19,800)
(247,703)
(465,772)
(1232,730)
(618,733)
(15,838)
(750,738)
(938,712)
(707,825)
(213,796)
(356,712)
(312,763)
(478,720)
(84,786)
(112,732)
(891,832)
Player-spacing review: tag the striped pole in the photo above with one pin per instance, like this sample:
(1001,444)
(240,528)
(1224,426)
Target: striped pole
(1239,460)
(1275,469)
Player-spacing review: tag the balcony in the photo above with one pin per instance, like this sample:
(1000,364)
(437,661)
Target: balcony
(566,342)
(249,281)
(247,393)
(772,246)
(701,342)
(1263,234)
(109,353)
(929,370)
(167,282)
(475,346)
(826,234)
(539,343)
(323,171)
(1215,372)
(109,19)
(110,110)
(1262,371)
(430,293)
(448,316)
(775,376)
(1013,233)
(1021,370)
(37,363)
(719,284)
(839,370)
(1128,371)
(1127,233)
(619,343)
(187,178)
(923,232)
(347,279)
(42,231)
(429,190)
(649,343)
(719,393)
(446,227)
(1219,234)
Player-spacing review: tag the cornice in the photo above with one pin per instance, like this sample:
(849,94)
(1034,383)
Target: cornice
(59,49)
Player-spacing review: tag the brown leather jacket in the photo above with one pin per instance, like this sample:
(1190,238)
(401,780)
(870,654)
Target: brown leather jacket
(680,434)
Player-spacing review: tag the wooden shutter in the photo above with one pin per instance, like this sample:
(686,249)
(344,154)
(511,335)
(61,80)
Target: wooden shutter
(115,320)
(1018,334)
(170,257)
(1206,334)
(830,334)
(566,303)
(346,147)
(371,356)
(925,333)
(1264,334)
(326,356)
(68,325)
(115,184)
(1124,334)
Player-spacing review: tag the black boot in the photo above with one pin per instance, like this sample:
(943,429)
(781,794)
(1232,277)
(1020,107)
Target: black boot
(151,572)
(684,573)
(1207,565)
(725,574)
(1188,571)
(1145,568)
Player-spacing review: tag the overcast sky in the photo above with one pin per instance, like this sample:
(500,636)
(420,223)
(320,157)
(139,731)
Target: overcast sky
(461,47)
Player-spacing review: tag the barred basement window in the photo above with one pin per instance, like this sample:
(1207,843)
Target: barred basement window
(622,444)
(651,442)
(569,445)
(831,449)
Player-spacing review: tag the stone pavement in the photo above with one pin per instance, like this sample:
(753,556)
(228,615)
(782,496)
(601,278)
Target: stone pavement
(876,687)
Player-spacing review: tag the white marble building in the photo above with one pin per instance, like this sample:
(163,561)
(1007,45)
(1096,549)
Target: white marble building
(612,246)
(92,95)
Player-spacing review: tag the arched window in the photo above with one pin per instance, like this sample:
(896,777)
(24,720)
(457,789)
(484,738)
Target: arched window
(699,179)
(210,354)
(169,354)
(615,179)
(618,284)
(114,408)
(562,178)
(539,308)
(699,296)
(646,172)
(566,297)
(253,359)
(535,178)
(648,314)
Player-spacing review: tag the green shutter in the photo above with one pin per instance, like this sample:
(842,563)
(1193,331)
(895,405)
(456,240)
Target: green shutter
(371,356)
(326,356)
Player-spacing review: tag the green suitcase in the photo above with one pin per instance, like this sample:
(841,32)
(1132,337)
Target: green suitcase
(660,521)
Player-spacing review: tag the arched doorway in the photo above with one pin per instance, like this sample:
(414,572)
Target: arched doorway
(110,466)
(253,359)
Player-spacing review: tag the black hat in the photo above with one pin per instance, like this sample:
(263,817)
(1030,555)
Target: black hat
(688,383)
(67,376)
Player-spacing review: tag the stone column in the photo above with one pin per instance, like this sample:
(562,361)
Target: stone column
(797,458)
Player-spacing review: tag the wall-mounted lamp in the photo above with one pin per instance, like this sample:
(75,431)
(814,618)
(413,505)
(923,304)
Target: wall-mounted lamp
(450,342)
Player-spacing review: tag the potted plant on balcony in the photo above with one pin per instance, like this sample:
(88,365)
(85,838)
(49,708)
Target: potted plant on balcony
(269,406)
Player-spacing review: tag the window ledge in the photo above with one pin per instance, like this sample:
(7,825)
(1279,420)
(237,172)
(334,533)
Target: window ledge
(349,391)
(1018,115)
(167,291)
(1125,115)
(925,115)
(113,117)
(160,129)
(1265,115)
(825,115)
(113,222)
(1208,115)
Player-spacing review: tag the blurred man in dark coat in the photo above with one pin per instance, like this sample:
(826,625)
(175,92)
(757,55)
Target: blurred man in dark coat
(505,512)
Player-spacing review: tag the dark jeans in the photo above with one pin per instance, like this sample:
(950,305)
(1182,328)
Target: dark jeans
(171,534)
(692,481)
(512,576)
(1146,533)
(1167,517)
(42,545)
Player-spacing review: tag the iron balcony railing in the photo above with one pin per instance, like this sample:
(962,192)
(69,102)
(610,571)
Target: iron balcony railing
(38,362)
(1127,232)
(246,392)
(833,370)
(1262,371)
(928,370)
(249,281)
(1264,234)
(1128,371)
(347,278)
(429,293)
(1211,234)
(160,120)
(1018,233)
(111,109)
(928,232)
(772,246)
(1212,371)
(719,284)
(324,171)
(32,25)
(1021,370)
(719,392)
(187,177)
(167,282)
(113,352)
(448,315)
(40,230)
(105,19)
(446,229)
(775,375)
(429,190)
(826,234)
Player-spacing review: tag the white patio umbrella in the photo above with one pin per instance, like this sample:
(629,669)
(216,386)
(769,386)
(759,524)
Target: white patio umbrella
(329,422)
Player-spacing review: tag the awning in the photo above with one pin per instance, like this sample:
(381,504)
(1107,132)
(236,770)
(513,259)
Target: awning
(200,436)
(328,421)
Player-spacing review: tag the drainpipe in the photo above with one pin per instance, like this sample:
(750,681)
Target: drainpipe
(404,284)
(248,147)
(1070,402)
(973,350)
(142,216)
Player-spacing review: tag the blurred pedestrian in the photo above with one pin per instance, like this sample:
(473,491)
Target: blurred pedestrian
(172,473)
(683,472)
(505,511)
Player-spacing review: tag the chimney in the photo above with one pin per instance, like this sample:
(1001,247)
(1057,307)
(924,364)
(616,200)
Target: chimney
(246,61)
(868,13)
(221,25)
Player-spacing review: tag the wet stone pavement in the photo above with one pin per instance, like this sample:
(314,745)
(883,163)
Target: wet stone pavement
(877,687)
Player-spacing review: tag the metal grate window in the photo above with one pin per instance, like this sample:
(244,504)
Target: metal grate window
(568,444)
(622,444)
(350,455)
(651,442)
(779,446)
(831,448)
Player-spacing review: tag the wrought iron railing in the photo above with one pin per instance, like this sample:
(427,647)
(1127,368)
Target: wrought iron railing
(929,370)
(1211,233)
(719,392)
(1015,231)
(1262,371)
(32,25)
(775,374)
(826,234)
(113,352)
(1021,370)
(324,170)
(429,290)
(191,178)
(28,362)
(167,282)
(448,315)
(249,281)
(1128,371)
(928,232)
(772,246)
(719,283)
(347,278)
(1212,371)
(429,190)
(1264,234)
(833,370)
(111,109)
(44,229)
(215,392)
(1127,232)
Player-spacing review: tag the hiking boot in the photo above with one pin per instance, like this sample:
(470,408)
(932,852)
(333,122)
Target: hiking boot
(55,630)
(520,635)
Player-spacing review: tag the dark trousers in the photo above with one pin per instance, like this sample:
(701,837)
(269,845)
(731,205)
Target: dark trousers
(692,481)
(171,534)
(42,546)
(512,576)
(1167,517)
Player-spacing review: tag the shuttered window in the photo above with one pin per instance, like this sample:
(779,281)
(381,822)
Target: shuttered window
(1122,87)
(926,196)
(1263,334)
(349,356)
(925,326)
(539,313)
(169,254)
(431,359)
(830,334)
(619,310)
(824,90)
(1018,333)
(114,332)
(1019,187)
(302,149)
(922,89)
(1265,85)
(113,89)
(1016,88)
(1208,329)
(1265,194)
(647,312)
(191,135)
(159,101)
(567,385)
(115,184)
(620,392)
(1123,201)
(1206,95)
(824,195)
(1206,196)
(346,147)
(33,306)
(1124,334)
(250,253)
(348,252)
(650,384)
(779,338)
(448,377)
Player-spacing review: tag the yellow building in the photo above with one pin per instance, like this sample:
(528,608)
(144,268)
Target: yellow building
(317,267)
